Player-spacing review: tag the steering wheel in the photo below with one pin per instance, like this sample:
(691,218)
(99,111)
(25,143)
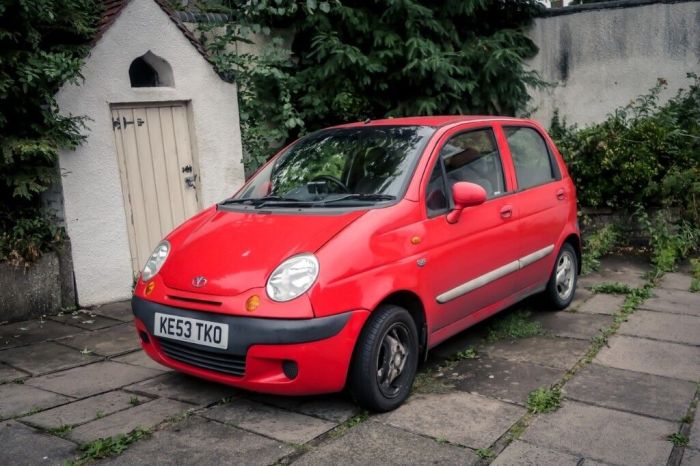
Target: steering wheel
(332,179)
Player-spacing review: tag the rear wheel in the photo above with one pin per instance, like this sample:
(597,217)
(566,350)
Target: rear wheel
(562,283)
(385,360)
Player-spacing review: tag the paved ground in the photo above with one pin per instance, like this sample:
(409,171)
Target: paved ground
(69,380)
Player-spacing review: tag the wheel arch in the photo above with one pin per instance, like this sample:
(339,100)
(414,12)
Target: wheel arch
(575,242)
(413,304)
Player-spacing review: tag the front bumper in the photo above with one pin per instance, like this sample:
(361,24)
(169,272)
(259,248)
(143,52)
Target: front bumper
(280,356)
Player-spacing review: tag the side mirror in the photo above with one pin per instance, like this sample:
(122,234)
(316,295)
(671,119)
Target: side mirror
(465,194)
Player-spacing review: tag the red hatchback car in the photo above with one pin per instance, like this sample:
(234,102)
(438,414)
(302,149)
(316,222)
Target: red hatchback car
(356,249)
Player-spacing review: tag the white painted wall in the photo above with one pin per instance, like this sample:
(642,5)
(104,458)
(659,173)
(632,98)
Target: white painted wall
(94,208)
(602,59)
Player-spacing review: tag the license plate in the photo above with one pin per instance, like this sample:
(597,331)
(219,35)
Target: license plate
(201,332)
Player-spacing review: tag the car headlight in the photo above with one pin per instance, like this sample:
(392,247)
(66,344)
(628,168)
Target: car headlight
(292,277)
(156,261)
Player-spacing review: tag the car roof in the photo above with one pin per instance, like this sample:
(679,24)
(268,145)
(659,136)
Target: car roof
(436,121)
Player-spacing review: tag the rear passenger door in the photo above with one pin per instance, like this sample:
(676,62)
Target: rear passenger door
(542,202)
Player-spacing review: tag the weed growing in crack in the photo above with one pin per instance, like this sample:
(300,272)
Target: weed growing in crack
(349,424)
(678,439)
(544,400)
(485,453)
(467,353)
(60,431)
(110,446)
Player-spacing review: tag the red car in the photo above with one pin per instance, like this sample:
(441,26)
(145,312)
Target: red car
(356,249)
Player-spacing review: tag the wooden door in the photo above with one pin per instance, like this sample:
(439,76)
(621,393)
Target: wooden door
(158,172)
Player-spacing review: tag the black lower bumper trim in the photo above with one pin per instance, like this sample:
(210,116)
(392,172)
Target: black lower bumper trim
(247,331)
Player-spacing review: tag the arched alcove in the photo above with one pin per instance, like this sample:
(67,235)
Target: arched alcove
(150,70)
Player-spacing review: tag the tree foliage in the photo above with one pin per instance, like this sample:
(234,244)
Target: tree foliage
(42,43)
(354,59)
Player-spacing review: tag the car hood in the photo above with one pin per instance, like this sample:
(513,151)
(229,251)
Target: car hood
(237,251)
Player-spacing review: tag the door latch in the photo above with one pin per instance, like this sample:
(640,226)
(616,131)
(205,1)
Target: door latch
(190,181)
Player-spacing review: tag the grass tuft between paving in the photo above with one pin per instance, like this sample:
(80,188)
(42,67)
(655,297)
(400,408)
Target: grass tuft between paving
(514,326)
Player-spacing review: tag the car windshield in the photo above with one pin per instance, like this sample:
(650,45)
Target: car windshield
(340,166)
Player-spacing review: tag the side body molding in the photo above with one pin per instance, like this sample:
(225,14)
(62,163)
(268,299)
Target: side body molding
(494,275)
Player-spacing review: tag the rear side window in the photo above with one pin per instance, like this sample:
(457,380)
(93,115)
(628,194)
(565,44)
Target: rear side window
(532,160)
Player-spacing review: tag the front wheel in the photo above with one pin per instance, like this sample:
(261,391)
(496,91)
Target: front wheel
(385,360)
(562,283)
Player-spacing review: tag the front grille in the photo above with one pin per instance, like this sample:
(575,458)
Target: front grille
(219,362)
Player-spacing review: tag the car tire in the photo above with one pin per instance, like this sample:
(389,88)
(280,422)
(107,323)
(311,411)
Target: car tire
(561,287)
(385,361)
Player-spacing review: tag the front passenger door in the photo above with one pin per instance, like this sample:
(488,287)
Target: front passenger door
(467,263)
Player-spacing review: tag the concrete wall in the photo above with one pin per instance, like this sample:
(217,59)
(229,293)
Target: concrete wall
(601,56)
(93,202)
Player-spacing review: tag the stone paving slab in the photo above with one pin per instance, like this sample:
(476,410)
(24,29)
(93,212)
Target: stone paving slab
(198,441)
(120,310)
(635,392)
(652,357)
(671,307)
(559,353)
(474,336)
(140,358)
(108,341)
(524,454)
(85,319)
(8,374)
(603,434)
(16,399)
(602,303)
(337,407)
(185,388)
(677,328)
(92,379)
(145,415)
(691,457)
(375,443)
(44,357)
(85,410)
(270,421)
(33,331)
(462,418)
(572,325)
(503,379)
(580,297)
(676,281)
(22,445)
(685,298)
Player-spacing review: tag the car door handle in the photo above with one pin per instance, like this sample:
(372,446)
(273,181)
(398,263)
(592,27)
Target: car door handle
(561,195)
(506,211)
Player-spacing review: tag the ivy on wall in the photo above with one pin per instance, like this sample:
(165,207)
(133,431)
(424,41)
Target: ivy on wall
(352,60)
(42,43)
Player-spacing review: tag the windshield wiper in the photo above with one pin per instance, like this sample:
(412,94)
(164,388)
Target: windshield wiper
(359,197)
(253,200)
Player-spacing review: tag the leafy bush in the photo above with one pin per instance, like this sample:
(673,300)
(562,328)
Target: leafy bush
(598,244)
(646,153)
(41,47)
(353,60)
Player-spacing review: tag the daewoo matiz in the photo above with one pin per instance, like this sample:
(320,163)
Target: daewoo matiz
(356,249)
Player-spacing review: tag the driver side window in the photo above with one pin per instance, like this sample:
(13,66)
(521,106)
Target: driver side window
(473,156)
